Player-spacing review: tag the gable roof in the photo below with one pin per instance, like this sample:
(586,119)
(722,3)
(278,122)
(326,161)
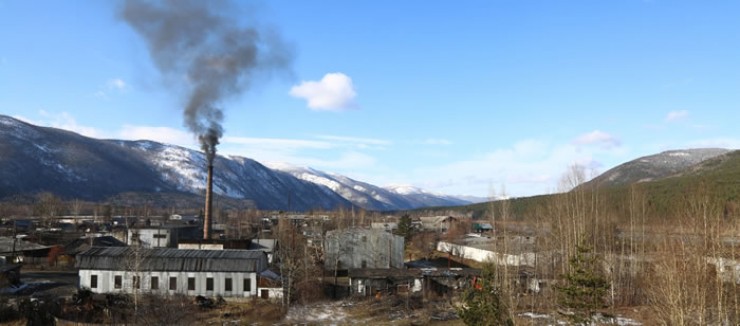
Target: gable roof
(172,260)
(8,243)
(81,244)
(435,219)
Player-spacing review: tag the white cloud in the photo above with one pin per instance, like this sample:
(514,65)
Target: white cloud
(334,92)
(297,151)
(113,85)
(676,115)
(165,135)
(277,143)
(64,121)
(598,138)
(525,168)
(117,84)
(347,161)
(356,142)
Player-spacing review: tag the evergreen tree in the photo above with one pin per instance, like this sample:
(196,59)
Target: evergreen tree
(405,228)
(584,287)
(482,303)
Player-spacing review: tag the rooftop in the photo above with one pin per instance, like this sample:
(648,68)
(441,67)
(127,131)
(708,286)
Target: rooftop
(167,259)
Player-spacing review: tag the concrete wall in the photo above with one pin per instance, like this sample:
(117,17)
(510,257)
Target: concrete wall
(152,238)
(201,246)
(352,249)
(106,282)
(481,255)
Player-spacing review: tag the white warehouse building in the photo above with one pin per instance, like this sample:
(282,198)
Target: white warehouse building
(228,273)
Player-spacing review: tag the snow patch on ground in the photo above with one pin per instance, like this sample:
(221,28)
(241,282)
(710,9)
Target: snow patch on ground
(329,313)
(598,319)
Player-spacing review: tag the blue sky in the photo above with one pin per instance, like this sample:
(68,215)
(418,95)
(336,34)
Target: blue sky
(456,97)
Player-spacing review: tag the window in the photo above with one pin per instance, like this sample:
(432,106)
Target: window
(136,282)
(191,283)
(364,264)
(209,284)
(247,285)
(93,281)
(160,236)
(117,281)
(173,283)
(227,284)
(155,283)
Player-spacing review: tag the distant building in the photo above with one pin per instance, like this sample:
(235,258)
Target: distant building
(436,223)
(267,245)
(385,226)
(482,227)
(167,236)
(228,273)
(216,244)
(152,237)
(16,250)
(502,251)
(361,248)
(79,245)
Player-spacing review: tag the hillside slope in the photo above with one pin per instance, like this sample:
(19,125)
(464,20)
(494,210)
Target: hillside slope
(37,159)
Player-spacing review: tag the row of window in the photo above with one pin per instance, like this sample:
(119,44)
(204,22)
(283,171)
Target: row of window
(154,284)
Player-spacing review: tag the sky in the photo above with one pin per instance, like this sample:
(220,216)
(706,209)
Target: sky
(479,98)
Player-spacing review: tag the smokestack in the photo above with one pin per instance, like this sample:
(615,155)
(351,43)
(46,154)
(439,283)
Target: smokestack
(208,142)
(207,221)
(208,52)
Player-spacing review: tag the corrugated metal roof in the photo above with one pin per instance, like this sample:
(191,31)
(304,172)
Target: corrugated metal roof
(7,244)
(167,259)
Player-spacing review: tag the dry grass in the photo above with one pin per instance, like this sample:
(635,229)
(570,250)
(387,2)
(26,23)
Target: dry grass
(250,312)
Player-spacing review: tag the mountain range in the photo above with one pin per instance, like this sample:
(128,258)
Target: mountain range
(36,159)
(654,167)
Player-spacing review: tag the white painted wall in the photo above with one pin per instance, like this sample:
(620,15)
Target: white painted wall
(151,238)
(106,282)
(201,246)
(273,293)
(481,255)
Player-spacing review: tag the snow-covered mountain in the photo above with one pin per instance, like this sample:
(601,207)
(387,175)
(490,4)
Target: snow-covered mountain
(36,159)
(370,196)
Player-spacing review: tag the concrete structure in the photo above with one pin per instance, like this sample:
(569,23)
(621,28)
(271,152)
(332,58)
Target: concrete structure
(166,236)
(361,248)
(369,282)
(228,273)
(152,237)
(385,226)
(16,250)
(436,223)
(727,269)
(517,251)
(216,244)
(267,245)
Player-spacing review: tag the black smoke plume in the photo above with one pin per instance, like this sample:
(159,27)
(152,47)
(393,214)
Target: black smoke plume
(202,50)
